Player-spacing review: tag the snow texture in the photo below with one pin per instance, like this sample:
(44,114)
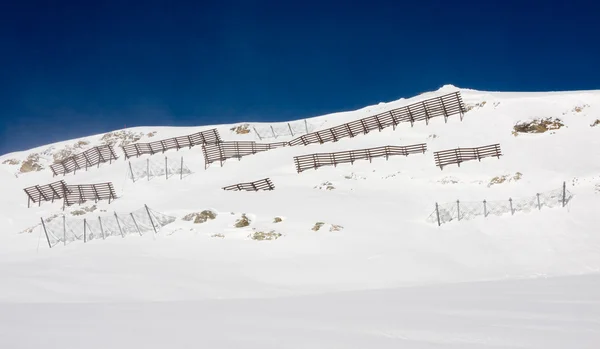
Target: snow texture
(390,278)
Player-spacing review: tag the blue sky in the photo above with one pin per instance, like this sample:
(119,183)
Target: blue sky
(75,68)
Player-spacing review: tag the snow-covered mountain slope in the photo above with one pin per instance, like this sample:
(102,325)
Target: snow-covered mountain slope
(380,208)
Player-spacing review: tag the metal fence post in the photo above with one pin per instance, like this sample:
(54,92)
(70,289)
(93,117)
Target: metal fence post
(290,127)
(258,134)
(101,229)
(274,135)
(136,225)
(151,221)
(564,194)
(437,212)
(181,170)
(306,126)
(538,200)
(512,212)
(46,232)
(458,209)
(131,170)
(84,231)
(119,225)
(484,208)
(64,230)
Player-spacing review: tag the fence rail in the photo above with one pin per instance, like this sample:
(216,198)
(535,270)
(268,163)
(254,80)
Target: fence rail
(47,192)
(199,138)
(262,184)
(84,160)
(314,161)
(67,230)
(78,194)
(461,210)
(227,150)
(446,105)
(459,155)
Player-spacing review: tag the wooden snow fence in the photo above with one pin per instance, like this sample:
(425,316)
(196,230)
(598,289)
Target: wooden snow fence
(91,157)
(458,155)
(446,105)
(228,150)
(70,194)
(314,161)
(47,192)
(78,194)
(200,138)
(262,184)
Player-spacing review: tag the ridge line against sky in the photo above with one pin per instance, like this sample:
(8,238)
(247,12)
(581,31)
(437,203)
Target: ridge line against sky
(73,69)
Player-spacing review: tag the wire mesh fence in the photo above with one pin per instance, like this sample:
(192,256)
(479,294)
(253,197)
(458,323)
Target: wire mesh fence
(66,230)
(464,210)
(152,168)
(293,128)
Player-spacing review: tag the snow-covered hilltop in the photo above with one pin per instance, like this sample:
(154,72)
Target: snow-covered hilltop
(355,227)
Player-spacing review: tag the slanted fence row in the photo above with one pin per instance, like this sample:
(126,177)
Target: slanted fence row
(458,155)
(47,192)
(88,158)
(228,150)
(262,184)
(447,105)
(314,161)
(70,194)
(67,229)
(199,138)
(78,194)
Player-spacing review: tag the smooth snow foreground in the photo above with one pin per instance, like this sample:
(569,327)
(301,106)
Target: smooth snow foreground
(376,274)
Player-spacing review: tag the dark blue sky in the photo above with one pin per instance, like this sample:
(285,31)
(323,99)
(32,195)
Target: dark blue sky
(75,68)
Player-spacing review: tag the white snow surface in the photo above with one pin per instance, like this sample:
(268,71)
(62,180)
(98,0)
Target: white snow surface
(387,279)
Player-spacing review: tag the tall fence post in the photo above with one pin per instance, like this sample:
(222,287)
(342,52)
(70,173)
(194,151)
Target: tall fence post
(564,196)
(151,221)
(484,208)
(437,212)
(274,135)
(290,127)
(64,230)
(258,134)
(84,231)
(101,228)
(512,212)
(306,126)
(166,170)
(458,208)
(46,232)
(136,225)
(119,225)
(538,200)
(181,170)
(131,170)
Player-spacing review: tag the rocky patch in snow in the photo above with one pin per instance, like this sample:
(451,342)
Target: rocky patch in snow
(538,126)
(200,217)
(505,178)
